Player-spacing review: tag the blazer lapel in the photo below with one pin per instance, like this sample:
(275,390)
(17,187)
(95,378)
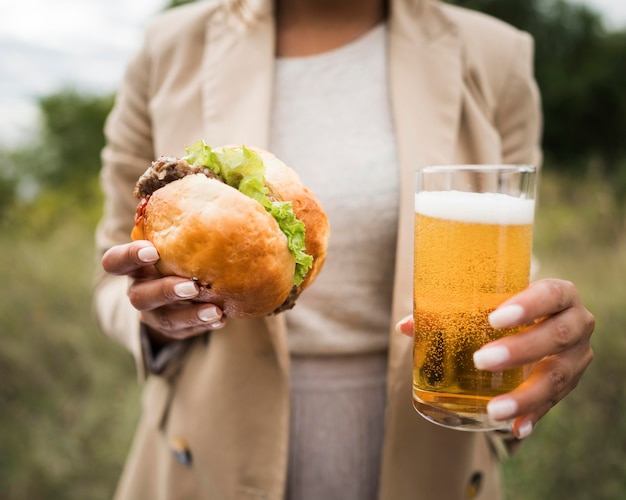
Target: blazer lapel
(426,84)
(426,78)
(237,68)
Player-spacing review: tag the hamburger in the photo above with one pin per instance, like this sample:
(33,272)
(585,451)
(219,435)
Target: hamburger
(237,221)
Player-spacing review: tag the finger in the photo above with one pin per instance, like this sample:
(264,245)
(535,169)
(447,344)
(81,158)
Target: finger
(553,335)
(550,381)
(124,259)
(523,426)
(405,326)
(149,294)
(184,321)
(542,298)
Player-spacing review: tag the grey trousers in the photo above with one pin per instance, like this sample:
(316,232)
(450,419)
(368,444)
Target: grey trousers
(337,424)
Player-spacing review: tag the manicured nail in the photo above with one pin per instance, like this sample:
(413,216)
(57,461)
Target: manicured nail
(402,326)
(209,315)
(490,357)
(185,289)
(506,316)
(148,254)
(501,409)
(524,430)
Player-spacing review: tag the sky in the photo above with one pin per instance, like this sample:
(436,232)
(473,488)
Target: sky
(48,45)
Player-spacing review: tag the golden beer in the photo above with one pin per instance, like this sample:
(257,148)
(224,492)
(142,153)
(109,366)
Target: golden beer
(472,252)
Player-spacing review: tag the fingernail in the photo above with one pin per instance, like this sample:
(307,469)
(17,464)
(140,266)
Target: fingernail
(185,289)
(501,409)
(401,326)
(506,316)
(209,315)
(524,430)
(148,254)
(490,357)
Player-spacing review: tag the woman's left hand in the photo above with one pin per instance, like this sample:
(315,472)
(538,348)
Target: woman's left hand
(556,346)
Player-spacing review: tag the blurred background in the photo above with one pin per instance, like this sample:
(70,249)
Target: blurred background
(69,397)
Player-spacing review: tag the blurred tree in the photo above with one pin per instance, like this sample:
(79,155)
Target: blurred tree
(176,3)
(64,156)
(72,137)
(7,193)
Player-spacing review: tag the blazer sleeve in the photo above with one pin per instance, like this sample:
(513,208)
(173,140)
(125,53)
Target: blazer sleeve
(128,150)
(518,110)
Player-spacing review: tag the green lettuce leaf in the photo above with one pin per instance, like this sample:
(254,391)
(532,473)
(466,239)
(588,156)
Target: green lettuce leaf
(243,169)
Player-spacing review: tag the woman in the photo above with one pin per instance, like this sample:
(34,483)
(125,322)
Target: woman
(316,403)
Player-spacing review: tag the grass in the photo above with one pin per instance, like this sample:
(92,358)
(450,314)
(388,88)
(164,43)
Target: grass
(70,399)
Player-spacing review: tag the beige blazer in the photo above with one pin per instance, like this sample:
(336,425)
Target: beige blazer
(215,423)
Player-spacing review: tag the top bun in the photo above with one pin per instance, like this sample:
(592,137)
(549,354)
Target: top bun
(208,231)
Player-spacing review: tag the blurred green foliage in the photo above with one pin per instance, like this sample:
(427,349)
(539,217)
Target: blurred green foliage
(68,394)
(178,3)
(64,156)
(69,397)
(68,114)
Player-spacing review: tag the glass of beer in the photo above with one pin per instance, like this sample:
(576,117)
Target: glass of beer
(473,239)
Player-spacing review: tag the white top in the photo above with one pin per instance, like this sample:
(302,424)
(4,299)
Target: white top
(331,122)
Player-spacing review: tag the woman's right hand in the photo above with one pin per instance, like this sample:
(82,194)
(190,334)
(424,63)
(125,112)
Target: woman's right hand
(168,304)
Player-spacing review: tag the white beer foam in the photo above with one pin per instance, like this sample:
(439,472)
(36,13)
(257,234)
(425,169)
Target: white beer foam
(481,208)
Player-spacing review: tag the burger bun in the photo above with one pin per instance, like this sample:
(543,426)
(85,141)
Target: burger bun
(210,232)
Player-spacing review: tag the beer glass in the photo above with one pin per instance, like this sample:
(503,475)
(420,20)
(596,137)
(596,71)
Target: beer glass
(473,238)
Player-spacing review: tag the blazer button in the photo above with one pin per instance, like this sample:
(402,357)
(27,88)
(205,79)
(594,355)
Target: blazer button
(474,485)
(181,451)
